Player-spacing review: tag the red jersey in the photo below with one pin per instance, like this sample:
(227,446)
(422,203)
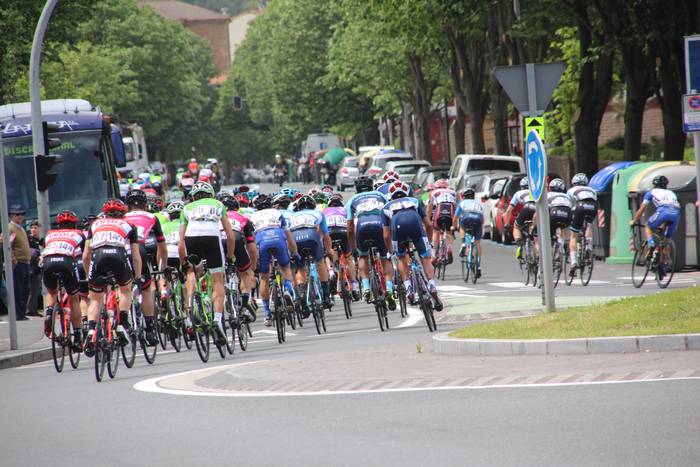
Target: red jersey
(64,242)
(241,223)
(112,232)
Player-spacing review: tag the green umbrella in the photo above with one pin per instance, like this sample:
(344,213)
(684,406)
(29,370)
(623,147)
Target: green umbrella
(335,155)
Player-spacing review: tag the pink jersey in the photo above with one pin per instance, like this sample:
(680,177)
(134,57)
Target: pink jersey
(336,217)
(241,223)
(144,223)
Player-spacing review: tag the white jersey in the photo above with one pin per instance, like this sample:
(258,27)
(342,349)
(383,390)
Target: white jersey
(521,197)
(557,200)
(662,198)
(582,193)
(268,219)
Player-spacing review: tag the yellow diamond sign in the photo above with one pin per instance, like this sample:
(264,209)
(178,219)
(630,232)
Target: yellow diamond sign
(535,123)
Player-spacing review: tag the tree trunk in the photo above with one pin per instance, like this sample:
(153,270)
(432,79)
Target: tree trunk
(406,129)
(459,131)
(672,78)
(422,97)
(499,112)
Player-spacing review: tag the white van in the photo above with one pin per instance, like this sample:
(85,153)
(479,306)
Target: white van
(320,141)
(487,164)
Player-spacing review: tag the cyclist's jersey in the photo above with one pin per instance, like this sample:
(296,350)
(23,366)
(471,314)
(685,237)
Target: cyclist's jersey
(162,217)
(171,232)
(662,198)
(405,216)
(400,205)
(320,207)
(64,242)
(268,219)
(308,219)
(203,217)
(558,200)
(187,182)
(521,197)
(442,196)
(246,212)
(367,204)
(145,222)
(110,232)
(384,189)
(208,173)
(469,208)
(582,193)
(336,217)
(241,224)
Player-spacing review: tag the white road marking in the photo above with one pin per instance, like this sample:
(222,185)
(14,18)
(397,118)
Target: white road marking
(507,285)
(414,316)
(267,331)
(453,288)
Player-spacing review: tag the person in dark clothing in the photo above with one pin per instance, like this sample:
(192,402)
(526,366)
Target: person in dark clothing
(35,245)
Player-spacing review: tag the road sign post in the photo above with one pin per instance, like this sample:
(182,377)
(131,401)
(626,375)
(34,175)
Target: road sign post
(9,277)
(530,87)
(691,105)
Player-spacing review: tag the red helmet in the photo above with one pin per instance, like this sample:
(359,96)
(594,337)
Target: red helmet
(243,200)
(313,191)
(186,175)
(67,217)
(243,188)
(390,176)
(397,188)
(297,195)
(204,178)
(442,183)
(114,205)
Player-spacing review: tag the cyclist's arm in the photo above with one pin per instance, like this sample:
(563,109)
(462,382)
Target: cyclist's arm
(290,243)
(351,234)
(136,259)
(230,236)
(87,253)
(387,239)
(507,214)
(181,250)
(162,254)
(640,212)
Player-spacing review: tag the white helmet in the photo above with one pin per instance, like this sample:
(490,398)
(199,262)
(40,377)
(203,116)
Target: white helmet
(202,187)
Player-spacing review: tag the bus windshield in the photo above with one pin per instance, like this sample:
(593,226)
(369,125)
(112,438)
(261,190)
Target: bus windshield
(80,185)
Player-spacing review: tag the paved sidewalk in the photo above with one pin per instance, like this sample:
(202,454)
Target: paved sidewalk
(33,345)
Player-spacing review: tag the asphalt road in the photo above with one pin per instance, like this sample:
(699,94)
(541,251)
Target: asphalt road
(357,396)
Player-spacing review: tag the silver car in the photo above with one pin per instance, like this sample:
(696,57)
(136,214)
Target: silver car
(378,165)
(406,169)
(348,173)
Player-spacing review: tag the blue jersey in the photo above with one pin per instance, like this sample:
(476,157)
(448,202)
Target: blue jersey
(469,207)
(308,219)
(384,189)
(402,204)
(662,198)
(287,214)
(369,203)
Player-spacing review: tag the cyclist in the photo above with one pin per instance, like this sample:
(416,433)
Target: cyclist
(321,199)
(560,205)
(522,198)
(171,232)
(406,220)
(388,178)
(366,221)
(200,235)
(186,183)
(470,216)
(441,209)
(310,231)
(110,242)
(336,218)
(585,209)
(244,252)
(281,202)
(153,250)
(273,238)
(667,210)
(62,247)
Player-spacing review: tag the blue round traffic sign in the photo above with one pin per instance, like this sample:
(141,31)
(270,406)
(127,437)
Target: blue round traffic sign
(536,162)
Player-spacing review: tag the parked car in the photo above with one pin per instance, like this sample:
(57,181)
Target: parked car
(426,175)
(466,164)
(348,172)
(486,185)
(406,169)
(379,162)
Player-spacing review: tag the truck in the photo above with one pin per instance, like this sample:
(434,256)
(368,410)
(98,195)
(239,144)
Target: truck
(135,147)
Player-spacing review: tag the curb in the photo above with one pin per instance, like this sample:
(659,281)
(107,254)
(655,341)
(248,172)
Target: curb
(27,357)
(443,344)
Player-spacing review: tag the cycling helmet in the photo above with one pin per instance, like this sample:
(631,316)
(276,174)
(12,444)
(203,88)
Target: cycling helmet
(87,221)
(186,175)
(136,197)
(67,217)
(203,189)
(243,200)
(468,193)
(155,205)
(175,207)
(262,202)
(524,183)
(305,202)
(660,181)
(224,196)
(390,176)
(441,183)
(288,191)
(363,183)
(281,200)
(327,189)
(398,189)
(557,185)
(114,208)
(429,187)
(320,198)
(243,188)
(297,195)
(377,184)
(313,191)
(335,200)
(580,179)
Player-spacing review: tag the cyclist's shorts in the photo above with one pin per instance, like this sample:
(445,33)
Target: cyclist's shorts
(407,226)
(370,228)
(82,278)
(240,252)
(272,242)
(525,215)
(559,218)
(473,221)
(584,210)
(308,243)
(207,248)
(174,262)
(64,266)
(340,236)
(442,216)
(670,216)
(108,259)
(151,249)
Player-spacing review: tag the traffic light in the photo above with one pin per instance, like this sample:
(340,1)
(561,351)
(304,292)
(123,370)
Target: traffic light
(44,163)
(237,102)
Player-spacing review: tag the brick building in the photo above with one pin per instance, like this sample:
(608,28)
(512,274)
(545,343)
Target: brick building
(239,26)
(211,25)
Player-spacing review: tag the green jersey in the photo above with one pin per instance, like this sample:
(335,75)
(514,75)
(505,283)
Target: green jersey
(171,232)
(203,218)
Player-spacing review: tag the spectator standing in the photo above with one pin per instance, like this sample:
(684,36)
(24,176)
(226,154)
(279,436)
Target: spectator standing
(21,257)
(36,243)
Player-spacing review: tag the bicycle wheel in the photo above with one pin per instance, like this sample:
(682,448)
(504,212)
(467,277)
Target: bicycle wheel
(280,325)
(128,349)
(160,322)
(640,266)
(300,315)
(379,310)
(100,356)
(228,325)
(472,263)
(587,268)
(292,320)
(663,279)
(112,352)
(73,355)
(149,351)
(427,309)
(569,273)
(201,328)
(403,306)
(322,318)
(242,335)
(556,262)
(58,336)
(347,304)
(465,269)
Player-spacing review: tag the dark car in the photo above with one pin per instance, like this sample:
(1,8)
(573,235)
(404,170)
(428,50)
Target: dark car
(426,175)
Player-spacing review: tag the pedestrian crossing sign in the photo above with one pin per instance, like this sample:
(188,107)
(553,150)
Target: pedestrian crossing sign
(535,123)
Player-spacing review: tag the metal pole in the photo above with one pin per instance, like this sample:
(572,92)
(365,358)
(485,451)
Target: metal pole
(9,276)
(542,208)
(42,197)
(696,145)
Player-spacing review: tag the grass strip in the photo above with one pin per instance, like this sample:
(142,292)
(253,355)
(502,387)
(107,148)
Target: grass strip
(674,312)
